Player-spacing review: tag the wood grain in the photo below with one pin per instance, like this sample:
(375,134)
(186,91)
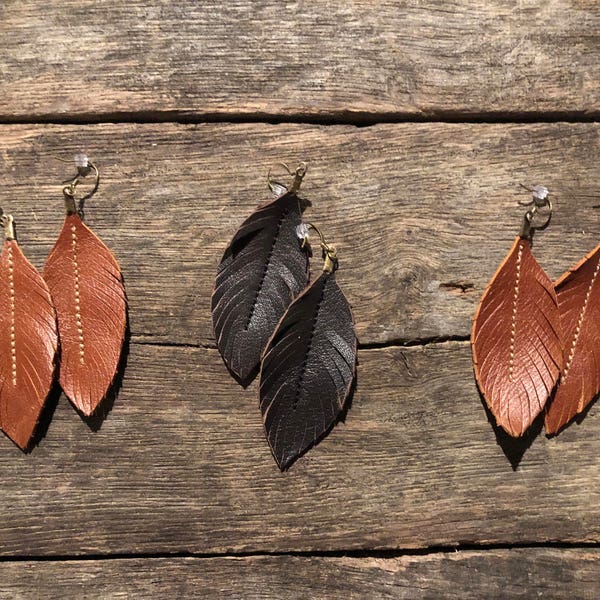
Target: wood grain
(181,464)
(422,214)
(80,60)
(495,574)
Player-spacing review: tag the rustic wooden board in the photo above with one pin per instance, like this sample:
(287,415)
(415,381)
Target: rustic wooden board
(501,574)
(81,60)
(181,464)
(422,213)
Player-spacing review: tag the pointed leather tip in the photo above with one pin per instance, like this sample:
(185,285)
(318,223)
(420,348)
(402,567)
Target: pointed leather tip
(21,443)
(552,429)
(514,433)
(283,464)
(285,461)
(244,375)
(556,421)
(87,411)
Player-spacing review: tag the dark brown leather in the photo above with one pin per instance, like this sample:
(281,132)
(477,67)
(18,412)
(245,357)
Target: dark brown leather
(261,272)
(517,340)
(87,290)
(29,342)
(578,293)
(307,370)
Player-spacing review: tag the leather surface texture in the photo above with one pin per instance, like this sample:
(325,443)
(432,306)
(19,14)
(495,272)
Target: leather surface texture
(307,370)
(578,292)
(29,342)
(517,340)
(85,282)
(262,270)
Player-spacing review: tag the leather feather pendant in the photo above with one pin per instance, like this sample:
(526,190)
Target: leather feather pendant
(578,293)
(516,340)
(307,370)
(87,289)
(29,340)
(263,269)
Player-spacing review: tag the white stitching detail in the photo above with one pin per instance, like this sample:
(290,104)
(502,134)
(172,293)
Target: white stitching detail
(77,300)
(513,326)
(13,350)
(580,320)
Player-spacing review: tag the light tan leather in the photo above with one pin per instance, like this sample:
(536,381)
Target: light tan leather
(86,286)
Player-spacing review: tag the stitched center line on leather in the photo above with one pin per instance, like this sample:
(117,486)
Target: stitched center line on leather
(77,301)
(284,214)
(513,326)
(308,348)
(580,320)
(13,349)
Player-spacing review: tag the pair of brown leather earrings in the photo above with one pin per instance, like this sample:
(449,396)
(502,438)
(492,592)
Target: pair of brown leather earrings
(266,315)
(71,318)
(535,342)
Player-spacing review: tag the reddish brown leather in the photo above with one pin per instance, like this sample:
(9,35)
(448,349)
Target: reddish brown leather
(28,344)
(578,292)
(86,286)
(516,340)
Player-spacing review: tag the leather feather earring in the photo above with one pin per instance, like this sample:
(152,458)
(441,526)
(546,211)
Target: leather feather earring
(87,289)
(28,339)
(262,271)
(578,292)
(516,338)
(308,365)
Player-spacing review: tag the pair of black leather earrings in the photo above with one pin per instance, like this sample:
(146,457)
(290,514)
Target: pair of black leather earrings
(267,316)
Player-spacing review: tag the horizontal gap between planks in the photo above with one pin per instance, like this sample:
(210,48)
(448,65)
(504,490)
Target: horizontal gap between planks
(396,343)
(351,553)
(410,343)
(358,119)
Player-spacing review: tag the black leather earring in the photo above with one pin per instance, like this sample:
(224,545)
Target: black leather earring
(308,365)
(263,269)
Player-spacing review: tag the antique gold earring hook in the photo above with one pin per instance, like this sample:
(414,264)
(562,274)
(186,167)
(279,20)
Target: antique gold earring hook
(330,263)
(298,175)
(84,167)
(540,200)
(8,222)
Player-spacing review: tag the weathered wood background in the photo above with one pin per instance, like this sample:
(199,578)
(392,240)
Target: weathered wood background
(418,120)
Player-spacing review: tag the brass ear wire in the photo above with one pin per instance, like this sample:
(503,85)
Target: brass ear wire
(298,175)
(330,263)
(84,167)
(8,222)
(540,200)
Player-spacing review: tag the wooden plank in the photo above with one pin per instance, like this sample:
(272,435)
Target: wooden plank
(181,465)
(81,60)
(501,574)
(422,213)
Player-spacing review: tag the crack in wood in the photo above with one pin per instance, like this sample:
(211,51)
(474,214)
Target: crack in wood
(349,118)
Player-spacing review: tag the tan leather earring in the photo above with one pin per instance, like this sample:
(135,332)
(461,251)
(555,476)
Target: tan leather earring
(28,341)
(87,289)
(516,338)
(578,292)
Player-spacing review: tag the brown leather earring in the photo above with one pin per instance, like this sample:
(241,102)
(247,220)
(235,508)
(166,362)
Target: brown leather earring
(86,286)
(28,341)
(309,363)
(578,292)
(302,336)
(517,338)
(262,270)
